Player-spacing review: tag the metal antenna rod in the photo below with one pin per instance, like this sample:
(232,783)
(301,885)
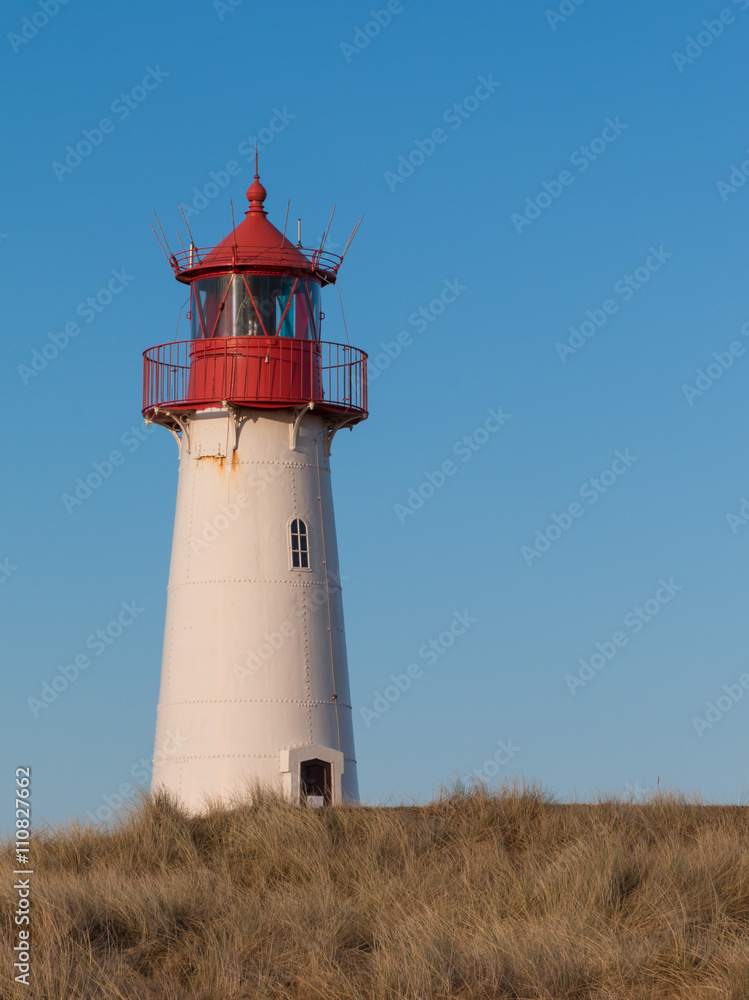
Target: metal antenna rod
(163,234)
(233,229)
(285,222)
(179,318)
(343,314)
(187,224)
(299,233)
(180,240)
(325,237)
(351,238)
(161,244)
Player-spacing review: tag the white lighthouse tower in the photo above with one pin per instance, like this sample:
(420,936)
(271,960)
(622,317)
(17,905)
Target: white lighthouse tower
(254,682)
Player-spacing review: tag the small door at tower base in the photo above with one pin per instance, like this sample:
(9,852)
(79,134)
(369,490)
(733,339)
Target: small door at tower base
(315,785)
(311,775)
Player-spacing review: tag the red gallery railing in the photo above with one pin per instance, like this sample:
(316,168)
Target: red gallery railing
(268,372)
(281,259)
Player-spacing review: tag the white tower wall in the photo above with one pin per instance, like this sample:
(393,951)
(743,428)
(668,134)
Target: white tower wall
(254,674)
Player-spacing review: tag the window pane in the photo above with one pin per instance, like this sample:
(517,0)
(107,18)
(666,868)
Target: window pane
(284,314)
(254,305)
(241,318)
(299,544)
(206,305)
(313,302)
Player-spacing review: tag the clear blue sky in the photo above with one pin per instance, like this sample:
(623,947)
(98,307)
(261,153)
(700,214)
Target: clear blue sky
(626,146)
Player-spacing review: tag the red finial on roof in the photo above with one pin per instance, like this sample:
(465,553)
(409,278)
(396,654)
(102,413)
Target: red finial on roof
(256,193)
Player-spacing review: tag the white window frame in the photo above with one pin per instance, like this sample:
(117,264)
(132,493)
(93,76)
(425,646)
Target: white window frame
(289,536)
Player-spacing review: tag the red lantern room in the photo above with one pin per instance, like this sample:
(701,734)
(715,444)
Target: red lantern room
(255,324)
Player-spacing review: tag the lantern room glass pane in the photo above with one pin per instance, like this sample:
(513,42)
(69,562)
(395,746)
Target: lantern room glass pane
(284,315)
(308,311)
(255,305)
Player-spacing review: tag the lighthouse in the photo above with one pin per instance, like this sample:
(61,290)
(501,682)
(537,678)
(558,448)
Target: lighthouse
(254,680)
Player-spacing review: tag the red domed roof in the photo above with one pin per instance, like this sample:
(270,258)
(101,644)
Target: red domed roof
(256,245)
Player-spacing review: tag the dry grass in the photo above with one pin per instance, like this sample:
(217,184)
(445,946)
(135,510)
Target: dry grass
(479,894)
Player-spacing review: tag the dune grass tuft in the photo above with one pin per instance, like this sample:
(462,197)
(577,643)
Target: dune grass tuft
(480,894)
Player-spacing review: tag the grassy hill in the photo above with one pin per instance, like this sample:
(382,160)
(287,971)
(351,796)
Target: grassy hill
(476,895)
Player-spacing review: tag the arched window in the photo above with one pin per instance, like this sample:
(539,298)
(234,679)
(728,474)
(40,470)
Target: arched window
(299,544)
